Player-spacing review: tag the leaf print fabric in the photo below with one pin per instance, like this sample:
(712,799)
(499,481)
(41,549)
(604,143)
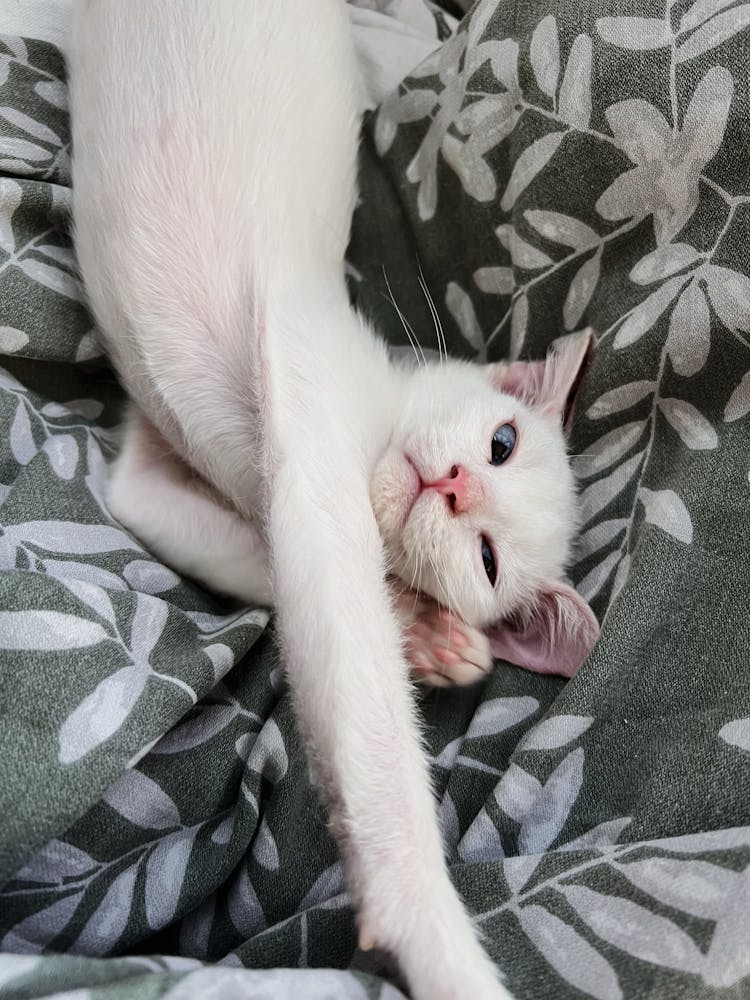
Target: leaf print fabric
(546,167)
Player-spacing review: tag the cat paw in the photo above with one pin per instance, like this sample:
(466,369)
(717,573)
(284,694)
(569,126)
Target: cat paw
(444,651)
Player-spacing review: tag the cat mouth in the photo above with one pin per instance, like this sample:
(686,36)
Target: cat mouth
(414,487)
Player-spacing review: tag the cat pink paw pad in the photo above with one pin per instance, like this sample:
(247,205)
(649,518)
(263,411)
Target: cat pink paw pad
(443,651)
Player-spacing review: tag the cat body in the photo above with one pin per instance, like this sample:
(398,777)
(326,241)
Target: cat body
(272,448)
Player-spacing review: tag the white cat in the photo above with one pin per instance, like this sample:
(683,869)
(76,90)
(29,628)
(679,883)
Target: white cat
(275,452)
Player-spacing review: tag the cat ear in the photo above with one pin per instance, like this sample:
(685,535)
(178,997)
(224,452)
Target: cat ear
(551,384)
(554,637)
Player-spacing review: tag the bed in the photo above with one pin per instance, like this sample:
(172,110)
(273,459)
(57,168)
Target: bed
(544,166)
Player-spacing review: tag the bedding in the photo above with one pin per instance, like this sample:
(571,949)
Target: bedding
(546,166)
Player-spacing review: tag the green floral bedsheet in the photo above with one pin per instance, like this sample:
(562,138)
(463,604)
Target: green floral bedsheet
(552,165)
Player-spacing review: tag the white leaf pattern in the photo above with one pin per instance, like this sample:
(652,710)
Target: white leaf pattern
(107,923)
(549,812)
(563,229)
(87,583)
(204,722)
(524,254)
(646,314)
(142,801)
(268,756)
(27,124)
(701,11)
(100,714)
(637,33)
(574,104)
(149,620)
(737,733)
(620,577)
(518,870)
(264,849)
(706,117)
(569,954)
(608,449)
(47,630)
(13,147)
(729,292)
(696,432)
(70,537)
(519,321)
(602,835)
(481,842)
(545,55)
(596,497)
(696,887)
(11,339)
(620,398)
(634,929)
(516,792)
(165,873)
(665,510)
(555,732)
(223,832)
(663,262)
(330,883)
(51,277)
(738,405)
(88,408)
(494,280)
(221,657)
(533,160)
(593,582)
(62,452)
(244,907)
(689,337)
(10,198)
(36,931)
(149,577)
(581,290)
(601,534)
(53,92)
(56,861)
(462,310)
(22,442)
(715,32)
(475,174)
(498,714)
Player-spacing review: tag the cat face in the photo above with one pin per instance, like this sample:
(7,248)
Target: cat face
(484,536)
(476,503)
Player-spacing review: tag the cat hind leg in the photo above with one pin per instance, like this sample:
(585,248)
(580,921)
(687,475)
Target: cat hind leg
(159,498)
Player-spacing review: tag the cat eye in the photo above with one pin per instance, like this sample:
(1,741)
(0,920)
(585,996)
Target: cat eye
(489,561)
(503,443)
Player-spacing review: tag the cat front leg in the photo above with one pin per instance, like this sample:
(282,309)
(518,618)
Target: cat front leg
(442,650)
(354,703)
(163,502)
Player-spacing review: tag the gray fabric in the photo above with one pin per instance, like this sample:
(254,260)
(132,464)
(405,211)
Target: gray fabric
(553,165)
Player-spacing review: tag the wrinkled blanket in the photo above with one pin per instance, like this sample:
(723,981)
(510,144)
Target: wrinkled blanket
(551,165)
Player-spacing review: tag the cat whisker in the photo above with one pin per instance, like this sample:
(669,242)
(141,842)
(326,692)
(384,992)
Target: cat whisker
(408,330)
(442,347)
(415,578)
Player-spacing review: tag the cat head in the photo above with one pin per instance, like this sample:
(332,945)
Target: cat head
(476,502)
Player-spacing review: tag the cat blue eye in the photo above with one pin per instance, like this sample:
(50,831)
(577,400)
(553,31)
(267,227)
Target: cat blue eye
(503,443)
(489,561)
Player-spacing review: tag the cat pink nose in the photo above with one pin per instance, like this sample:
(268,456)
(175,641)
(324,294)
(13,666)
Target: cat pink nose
(456,486)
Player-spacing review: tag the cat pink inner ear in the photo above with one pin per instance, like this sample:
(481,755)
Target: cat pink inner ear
(550,384)
(555,638)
